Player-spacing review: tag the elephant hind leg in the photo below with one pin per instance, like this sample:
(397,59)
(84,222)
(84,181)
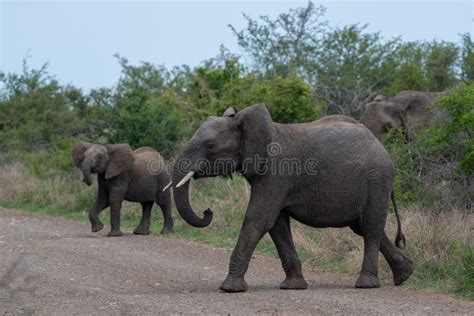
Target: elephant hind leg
(164,202)
(281,236)
(143,227)
(402,266)
(368,277)
(372,233)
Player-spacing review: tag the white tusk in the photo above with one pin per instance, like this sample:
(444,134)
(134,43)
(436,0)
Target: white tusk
(167,186)
(185,179)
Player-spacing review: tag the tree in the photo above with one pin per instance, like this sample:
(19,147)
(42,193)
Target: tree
(352,69)
(208,82)
(289,99)
(408,71)
(440,65)
(146,112)
(287,44)
(346,66)
(100,113)
(35,109)
(467,58)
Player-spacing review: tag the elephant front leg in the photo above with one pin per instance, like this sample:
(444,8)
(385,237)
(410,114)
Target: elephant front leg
(101,202)
(290,261)
(259,219)
(144,227)
(116,199)
(164,202)
(249,237)
(99,205)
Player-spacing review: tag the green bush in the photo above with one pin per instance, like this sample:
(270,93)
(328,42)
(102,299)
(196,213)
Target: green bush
(290,100)
(453,138)
(158,121)
(436,168)
(34,110)
(51,159)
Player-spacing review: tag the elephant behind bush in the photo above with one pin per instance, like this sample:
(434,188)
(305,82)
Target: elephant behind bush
(408,110)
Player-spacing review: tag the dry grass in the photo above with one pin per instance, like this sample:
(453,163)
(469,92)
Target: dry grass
(15,181)
(431,240)
(62,190)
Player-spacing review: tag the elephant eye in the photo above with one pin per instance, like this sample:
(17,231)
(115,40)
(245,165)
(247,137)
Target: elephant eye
(210,145)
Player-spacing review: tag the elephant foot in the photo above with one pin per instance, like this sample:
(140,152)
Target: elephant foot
(367,281)
(233,285)
(141,231)
(402,271)
(295,283)
(97,227)
(115,233)
(166,230)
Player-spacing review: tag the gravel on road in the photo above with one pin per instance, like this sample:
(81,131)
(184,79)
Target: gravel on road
(51,265)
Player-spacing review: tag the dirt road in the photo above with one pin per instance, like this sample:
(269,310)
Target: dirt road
(52,265)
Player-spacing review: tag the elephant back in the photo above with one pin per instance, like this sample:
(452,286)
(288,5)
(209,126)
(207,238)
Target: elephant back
(148,161)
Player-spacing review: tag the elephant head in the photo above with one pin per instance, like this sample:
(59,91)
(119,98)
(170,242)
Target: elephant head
(382,115)
(109,159)
(237,141)
(407,109)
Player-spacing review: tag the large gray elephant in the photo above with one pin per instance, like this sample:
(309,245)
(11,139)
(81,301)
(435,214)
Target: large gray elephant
(328,173)
(123,174)
(408,110)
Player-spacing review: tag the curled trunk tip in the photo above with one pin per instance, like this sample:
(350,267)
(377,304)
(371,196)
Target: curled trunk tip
(181,198)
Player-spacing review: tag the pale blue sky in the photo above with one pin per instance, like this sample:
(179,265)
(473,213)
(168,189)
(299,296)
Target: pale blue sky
(79,38)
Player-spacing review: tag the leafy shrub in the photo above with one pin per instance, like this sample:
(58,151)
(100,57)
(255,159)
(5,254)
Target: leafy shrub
(157,121)
(290,100)
(436,168)
(146,112)
(34,110)
(51,159)
(454,138)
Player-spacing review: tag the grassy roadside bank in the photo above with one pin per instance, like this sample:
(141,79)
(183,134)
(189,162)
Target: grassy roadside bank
(441,244)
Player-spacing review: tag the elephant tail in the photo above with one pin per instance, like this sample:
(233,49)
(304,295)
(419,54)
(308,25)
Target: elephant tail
(400,239)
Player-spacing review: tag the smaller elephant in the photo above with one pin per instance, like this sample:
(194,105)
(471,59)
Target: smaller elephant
(408,110)
(123,174)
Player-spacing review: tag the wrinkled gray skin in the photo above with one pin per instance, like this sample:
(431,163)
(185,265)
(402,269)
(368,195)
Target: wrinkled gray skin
(123,174)
(350,185)
(408,110)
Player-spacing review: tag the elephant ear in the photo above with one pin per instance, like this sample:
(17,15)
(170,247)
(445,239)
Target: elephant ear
(230,112)
(78,152)
(379,98)
(256,128)
(121,159)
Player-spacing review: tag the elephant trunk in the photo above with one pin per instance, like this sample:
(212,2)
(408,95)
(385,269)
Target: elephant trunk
(181,199)
(86,171)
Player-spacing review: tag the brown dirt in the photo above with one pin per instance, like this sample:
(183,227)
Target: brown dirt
(50,265)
